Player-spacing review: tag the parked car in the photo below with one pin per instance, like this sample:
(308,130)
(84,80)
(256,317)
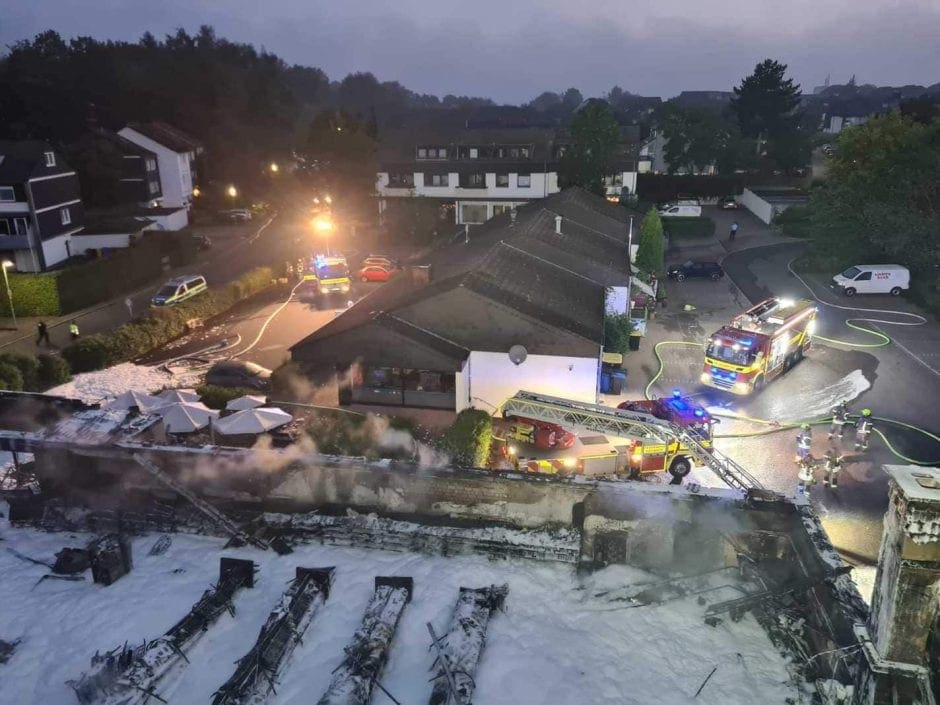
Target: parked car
(382,261)
(179,289)
(236,215)
(376,273)
(236,373)
(728,203)
(696,270)
(681,210)
(203,242)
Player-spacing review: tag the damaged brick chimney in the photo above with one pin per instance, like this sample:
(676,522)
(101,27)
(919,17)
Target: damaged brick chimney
(902,642)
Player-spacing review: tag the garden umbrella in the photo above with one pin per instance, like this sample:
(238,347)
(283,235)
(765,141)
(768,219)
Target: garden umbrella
(249,401)
(252,421)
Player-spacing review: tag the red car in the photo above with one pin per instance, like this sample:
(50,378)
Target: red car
(376,273)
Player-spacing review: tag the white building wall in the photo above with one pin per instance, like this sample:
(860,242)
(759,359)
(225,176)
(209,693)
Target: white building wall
(176,176)
(57,249)
(541,185)
(99,242)
(490,378)
(757,205)
(176,220)
(617,299)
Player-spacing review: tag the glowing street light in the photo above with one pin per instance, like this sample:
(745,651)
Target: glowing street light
(274,168)
(232,191)
(196,192)
(6,264)
(323,225)
(327,198)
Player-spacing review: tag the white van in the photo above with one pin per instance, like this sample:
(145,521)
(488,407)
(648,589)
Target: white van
(873,279)
(179,289)
(681,210)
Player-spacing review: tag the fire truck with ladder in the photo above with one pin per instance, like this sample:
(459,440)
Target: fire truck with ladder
(651,443)
(760,344)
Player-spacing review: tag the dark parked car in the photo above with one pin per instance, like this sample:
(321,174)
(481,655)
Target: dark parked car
(696,270)
(235,373)
(728,203)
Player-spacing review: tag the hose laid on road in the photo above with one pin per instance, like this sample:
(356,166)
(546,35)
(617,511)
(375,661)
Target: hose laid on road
(883,339)
(267,322)
(662,364)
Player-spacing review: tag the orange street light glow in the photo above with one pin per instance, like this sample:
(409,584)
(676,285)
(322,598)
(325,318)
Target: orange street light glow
(323,224)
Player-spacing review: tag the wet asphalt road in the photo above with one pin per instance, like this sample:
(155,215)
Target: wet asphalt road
(895,382)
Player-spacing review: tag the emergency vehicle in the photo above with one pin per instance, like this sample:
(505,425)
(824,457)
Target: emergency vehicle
(649,435)
(540,434)
(328,274)
(760,344)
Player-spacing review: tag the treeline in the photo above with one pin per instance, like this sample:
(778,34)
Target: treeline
(247,106)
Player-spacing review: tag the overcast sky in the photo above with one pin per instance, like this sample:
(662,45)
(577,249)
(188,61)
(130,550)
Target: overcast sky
(511,50)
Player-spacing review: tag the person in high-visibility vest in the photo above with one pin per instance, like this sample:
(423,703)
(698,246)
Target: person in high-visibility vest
(832,467)
(806,477)
(804,441)
(840,415)
(73,330)
(863,429)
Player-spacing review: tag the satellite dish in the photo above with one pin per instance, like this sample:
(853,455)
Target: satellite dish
(517,354)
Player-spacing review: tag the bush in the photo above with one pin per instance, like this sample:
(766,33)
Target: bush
(10,378)
(140,337)
(617,329)
(33,295)
(649,254)
(338,433)
(794,222)
(469,438)
(216,397)
(28,367)
(689,227)
(53,371)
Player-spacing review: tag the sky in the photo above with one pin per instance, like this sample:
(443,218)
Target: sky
(512,50)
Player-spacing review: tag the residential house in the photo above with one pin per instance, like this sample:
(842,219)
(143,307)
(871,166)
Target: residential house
(139,182)
(40,205)
(176,153)
(652,157)
(542,276)
(703,99)
(481,172)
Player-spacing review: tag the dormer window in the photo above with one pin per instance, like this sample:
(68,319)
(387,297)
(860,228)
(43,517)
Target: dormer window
(50,158)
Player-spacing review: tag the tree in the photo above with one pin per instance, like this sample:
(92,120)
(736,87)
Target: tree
(595,140)
(343,149)
(649,255)
(572,99)
(766,102)
(617,330)
(881,199)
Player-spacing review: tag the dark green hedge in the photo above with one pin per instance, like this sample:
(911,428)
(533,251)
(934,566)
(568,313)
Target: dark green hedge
(794,222)
(33,295)
(139,337)
(216,397)
(688,227)
(22,372)
(469,438)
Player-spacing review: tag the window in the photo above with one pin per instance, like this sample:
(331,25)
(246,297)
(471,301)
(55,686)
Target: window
(154,187)
(513,152)
(7,194)
(65,216)
(502,180)
(524,180)
(499,209)
(439,180)
(524,152)
(432,152)
(422,153)
(473,213)
(20,226)
(398,180)
(151,164)
(474,153)
(863,277)
(4,226)
(615,180)
(475,181)
(50,158)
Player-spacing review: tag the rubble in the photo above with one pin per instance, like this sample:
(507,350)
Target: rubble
(125,676)
(6,649)
(257,671)
(461,647)
(110,558)
(367,652)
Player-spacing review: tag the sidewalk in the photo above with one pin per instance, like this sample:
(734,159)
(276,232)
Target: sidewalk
(108,315)
(751,233)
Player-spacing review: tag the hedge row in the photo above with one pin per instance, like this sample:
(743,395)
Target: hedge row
(20,372)
(660,188)
(469,438)
(688,227)
(33,295)
(132,340)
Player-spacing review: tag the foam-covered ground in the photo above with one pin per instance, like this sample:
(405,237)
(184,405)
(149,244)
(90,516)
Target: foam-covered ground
(557,641)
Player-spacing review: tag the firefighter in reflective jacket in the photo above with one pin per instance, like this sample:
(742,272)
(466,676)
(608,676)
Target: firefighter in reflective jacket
(807,474)
(840,415)
(863,429)
(804,441)
(833,466)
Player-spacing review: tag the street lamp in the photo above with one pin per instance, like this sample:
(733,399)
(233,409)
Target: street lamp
(324,226)
(232,191)
(327,198)
(6,265)
(196,192)
(274,167)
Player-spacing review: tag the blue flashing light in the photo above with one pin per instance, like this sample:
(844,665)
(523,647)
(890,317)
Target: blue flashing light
(676,394)
(699,413)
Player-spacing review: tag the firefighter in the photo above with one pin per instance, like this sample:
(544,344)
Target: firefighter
(863,429)
(833,466)
(804,441)
(840,414)
(806,477)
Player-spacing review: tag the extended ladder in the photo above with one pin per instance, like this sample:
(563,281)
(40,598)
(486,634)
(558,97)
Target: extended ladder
(627,424)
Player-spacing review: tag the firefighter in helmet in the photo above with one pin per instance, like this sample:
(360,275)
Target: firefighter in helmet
(806,477)
(863,429)
(804,441)
(833,466)
(840,414)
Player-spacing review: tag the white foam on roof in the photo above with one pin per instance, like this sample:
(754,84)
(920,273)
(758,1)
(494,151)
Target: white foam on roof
(106,384)
(556,641)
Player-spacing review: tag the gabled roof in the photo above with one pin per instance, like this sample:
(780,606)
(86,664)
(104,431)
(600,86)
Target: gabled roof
(124,145)
(167,135)
(22,159)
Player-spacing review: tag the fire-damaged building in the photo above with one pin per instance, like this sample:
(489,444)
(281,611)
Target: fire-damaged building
(517,303)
